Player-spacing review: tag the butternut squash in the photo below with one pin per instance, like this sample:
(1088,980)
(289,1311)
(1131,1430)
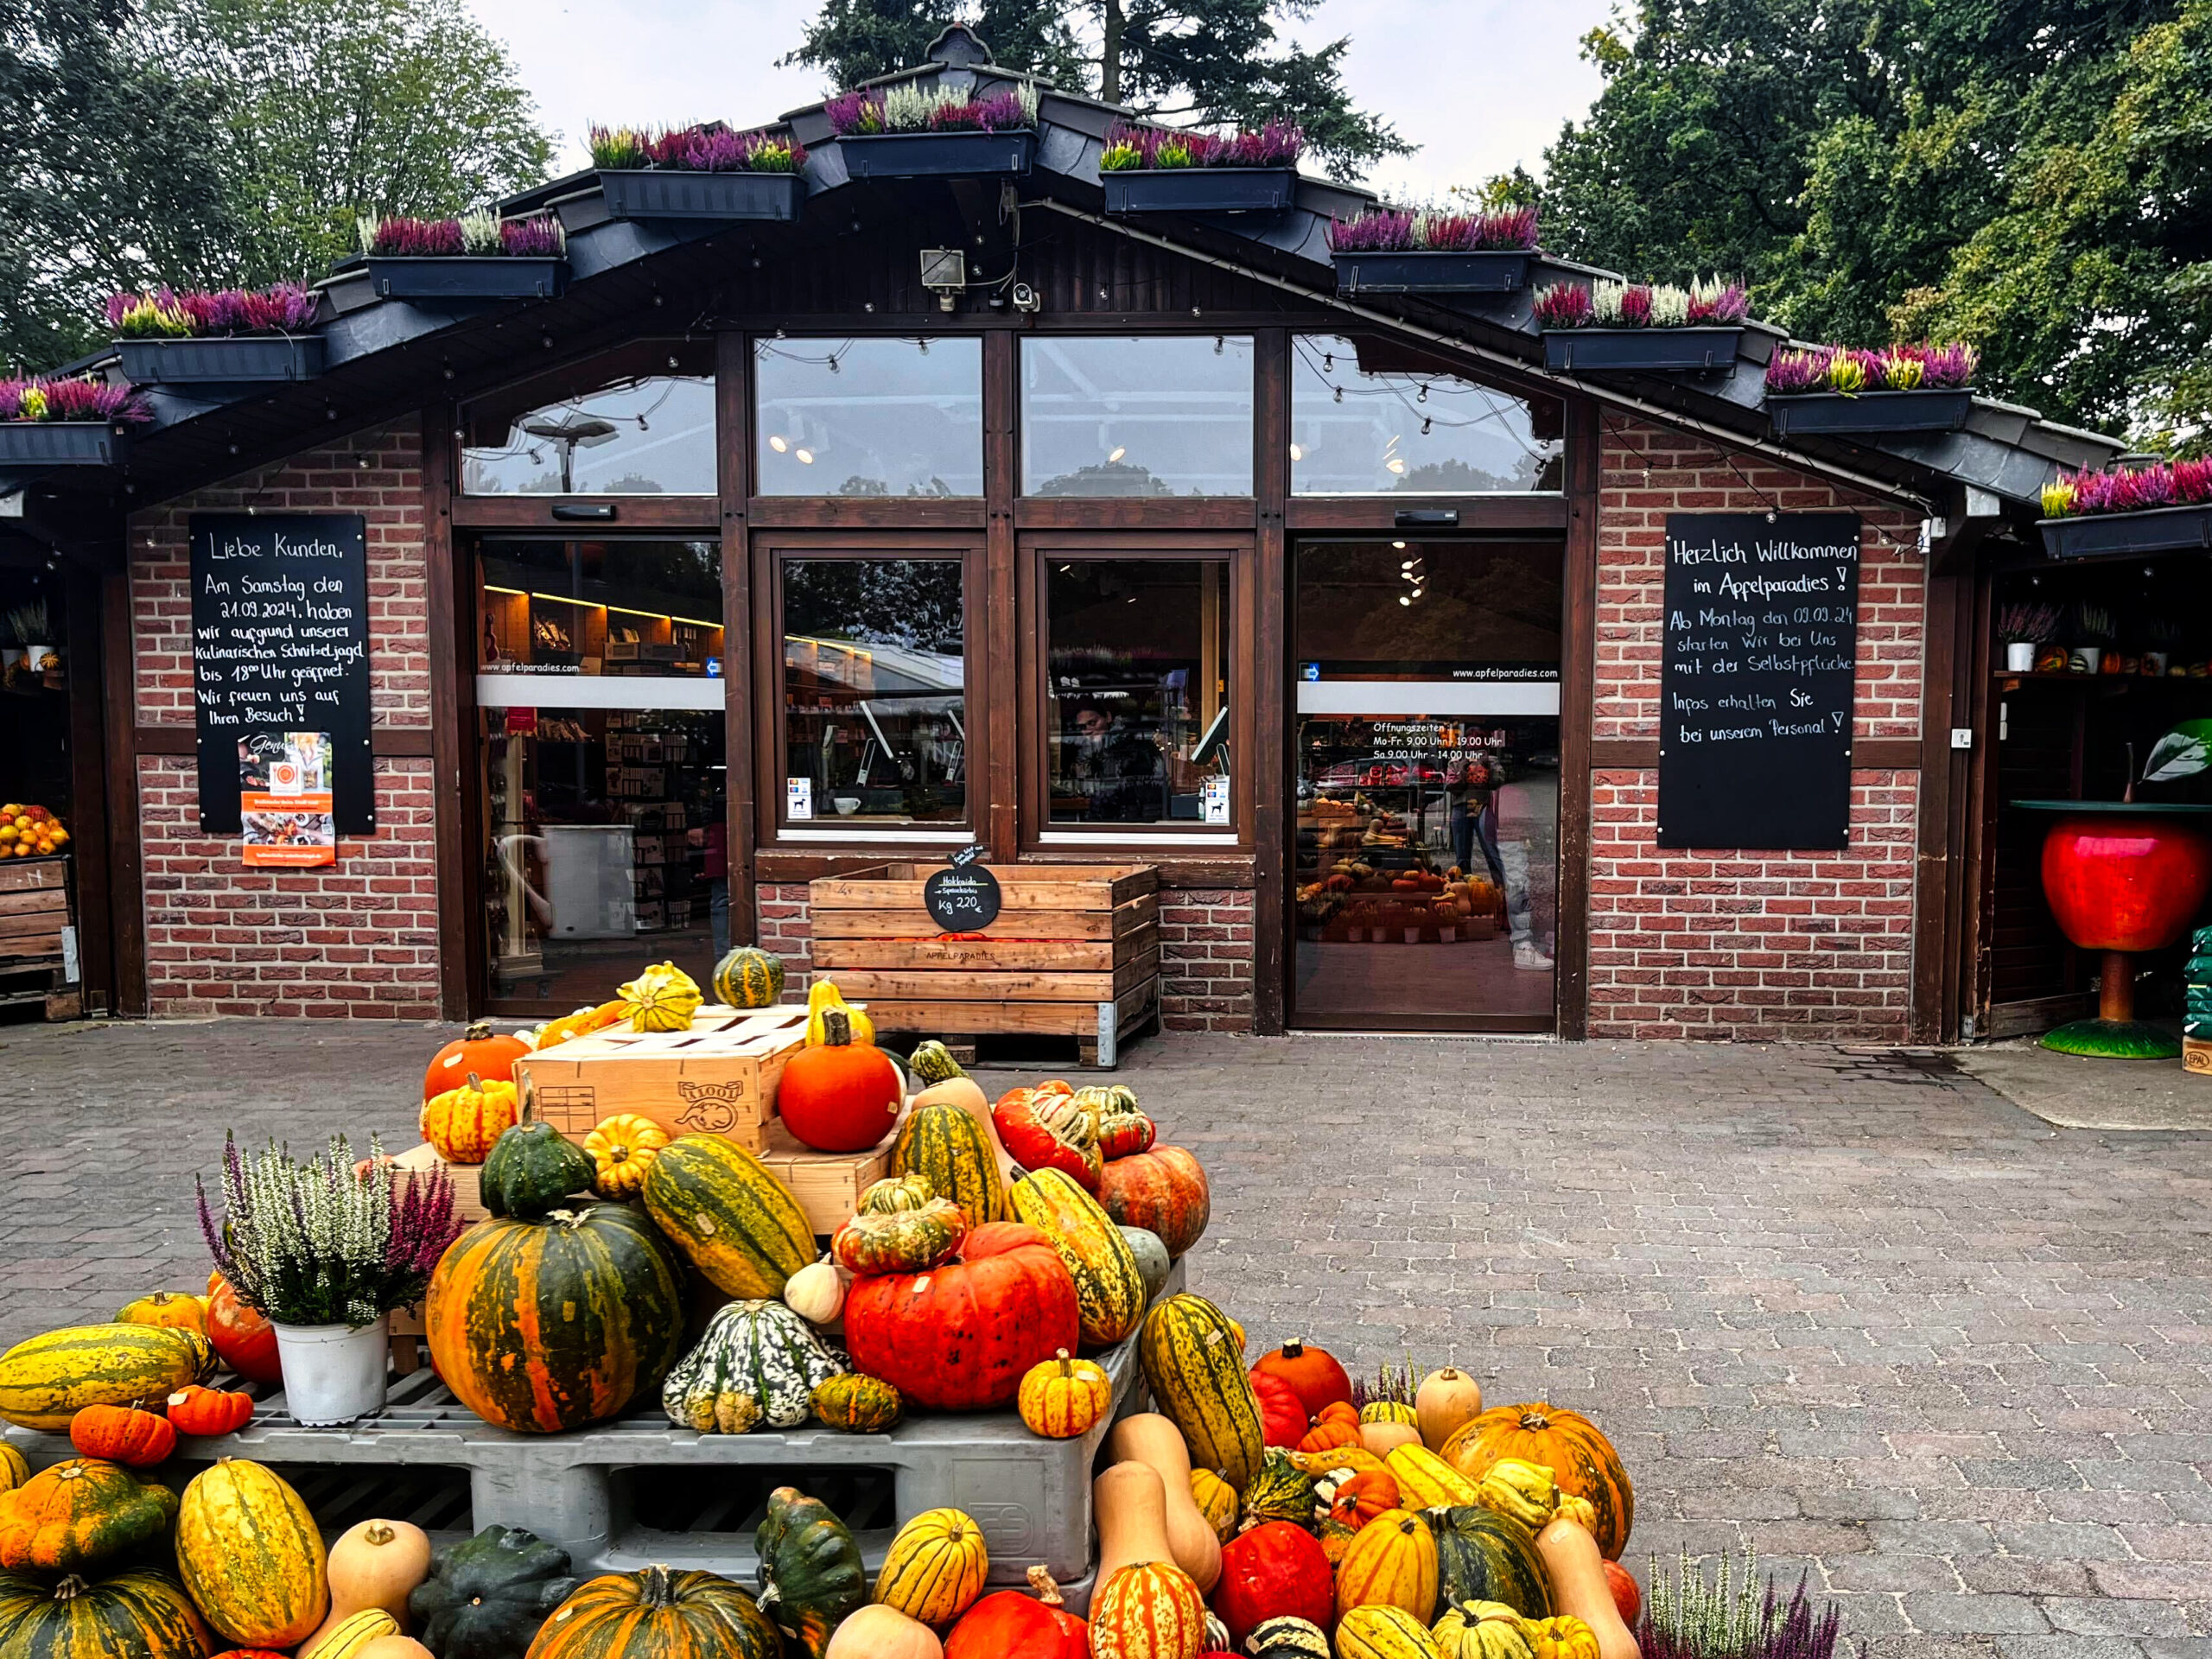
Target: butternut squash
(1379,1438)
(375,1564)
(1131,1503)
(1447,1398)
(396,1647)
(968,1096)
(1577,1575)
(875,1631)
(1149,1438)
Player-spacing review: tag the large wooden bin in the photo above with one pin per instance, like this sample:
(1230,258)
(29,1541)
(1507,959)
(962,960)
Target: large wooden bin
(1075,952)
(38,952)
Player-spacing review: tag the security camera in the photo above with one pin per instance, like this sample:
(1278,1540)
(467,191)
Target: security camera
(1027,298)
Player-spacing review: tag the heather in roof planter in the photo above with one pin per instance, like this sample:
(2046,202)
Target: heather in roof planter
(905,132)
(197,336)
(1427,252)
(66,422)
(1898,389)
(1612,324)
(2153,509)
(1159,171)
(479,256)
(698,172)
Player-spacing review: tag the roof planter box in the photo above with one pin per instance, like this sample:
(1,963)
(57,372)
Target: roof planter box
(491,277)
(61,443)
(1572,349)
(675,192)
(221,360)
(1200,189)
(1869,411)
(2159,529)
(1431,270)
(950,154)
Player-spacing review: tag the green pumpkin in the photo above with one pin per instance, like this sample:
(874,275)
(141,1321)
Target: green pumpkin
(853,1403)
(749,977)
(1281,1492)
(895,1193)
(810,1573)
(140,1614)
(933,1062)
(487,1597)
(1286,1638)
(531,1169)
(1482,1555)
(758,1365)
(1152,1265)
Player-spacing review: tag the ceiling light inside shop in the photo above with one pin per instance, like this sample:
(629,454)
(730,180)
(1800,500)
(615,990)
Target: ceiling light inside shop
(1395,464)
(1297,452)
(1119,451)
(1405,598)
(805,456)
(778,444)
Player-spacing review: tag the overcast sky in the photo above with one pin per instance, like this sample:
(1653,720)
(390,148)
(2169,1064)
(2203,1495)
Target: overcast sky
(1478,84)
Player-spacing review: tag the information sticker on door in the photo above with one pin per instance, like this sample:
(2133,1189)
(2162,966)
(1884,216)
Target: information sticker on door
(798,802)
(1214,804)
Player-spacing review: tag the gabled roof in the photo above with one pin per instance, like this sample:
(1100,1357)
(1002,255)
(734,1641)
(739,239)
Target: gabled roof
(384,356)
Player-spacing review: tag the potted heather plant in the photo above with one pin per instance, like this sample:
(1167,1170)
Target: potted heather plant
(2159,508)
(2023,627)
(1899,389)
(1160,170)
(233,335)
(325,1250)
(1690,1617)
(1612,325)
(908,131)
(475,257)
(1434,250)
(66,420)
(704,172)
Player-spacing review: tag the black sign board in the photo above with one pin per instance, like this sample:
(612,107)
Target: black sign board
(280,643)
(1756,679)
(964,897)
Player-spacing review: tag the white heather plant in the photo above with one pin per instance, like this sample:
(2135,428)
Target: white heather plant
(479,233)
(1671,305)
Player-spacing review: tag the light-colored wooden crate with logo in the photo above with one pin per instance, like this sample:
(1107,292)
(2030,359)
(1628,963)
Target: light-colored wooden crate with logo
(828,1184)
(1074,952)
(719,1077)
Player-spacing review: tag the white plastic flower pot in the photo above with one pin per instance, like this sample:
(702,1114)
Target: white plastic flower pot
(2086,659)
(333,1373)
(2020,657)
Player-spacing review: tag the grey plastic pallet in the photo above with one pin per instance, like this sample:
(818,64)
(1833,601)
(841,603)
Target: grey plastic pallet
(639,1490)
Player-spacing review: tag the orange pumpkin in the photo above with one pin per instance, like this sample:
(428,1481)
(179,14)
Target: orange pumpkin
(581,1023)
(1148,1610)
(1366,1495)
(204,1412)
(1339,1411)
(1581,1460)
(491,1055)
(242,1335)
(842,1096)
(124,1434)
(1314,1372)
(1328,1435)
(464,1122)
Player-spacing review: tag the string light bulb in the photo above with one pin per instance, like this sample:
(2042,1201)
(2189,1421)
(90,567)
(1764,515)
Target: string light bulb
(1339,397)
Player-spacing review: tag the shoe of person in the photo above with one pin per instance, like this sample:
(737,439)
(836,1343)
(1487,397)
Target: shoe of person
(1528,955)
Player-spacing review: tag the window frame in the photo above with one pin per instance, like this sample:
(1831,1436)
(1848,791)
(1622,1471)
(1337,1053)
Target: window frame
(896,509)
(1042,507)
(770,728)
(1041,836)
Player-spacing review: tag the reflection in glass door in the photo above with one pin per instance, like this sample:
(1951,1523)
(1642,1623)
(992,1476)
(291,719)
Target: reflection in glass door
(1426,784)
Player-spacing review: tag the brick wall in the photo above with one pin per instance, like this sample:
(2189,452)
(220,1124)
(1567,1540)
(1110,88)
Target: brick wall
(785,930)
(360,939)
(1726,944)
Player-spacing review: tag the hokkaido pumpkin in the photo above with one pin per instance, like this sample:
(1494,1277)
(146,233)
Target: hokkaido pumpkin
(242,1336)
(1060,1398)
(1392,1562)
(1313,1373)
(480,1050)
(77,1514)
(1581,1460)
(1148,1610)
(1273,1571)
(1362,1497)
(654,1613)
(1282,1413)
(944,1145)
(466,1121)
(935,1567)
(962,1336)
(1017,1625)
(167,1307)
(1163,1191)
(206,1413)
(1196,1373)
(1327,1434)
(1150,1438)
(378,1564)
(1628,1594)
(141,1614)
(1578,1587)
(251,1556)
(124,1434)
(1109,1289)
(840,1095)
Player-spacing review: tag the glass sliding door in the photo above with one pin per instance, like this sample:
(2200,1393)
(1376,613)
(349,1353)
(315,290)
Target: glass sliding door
(1426,782)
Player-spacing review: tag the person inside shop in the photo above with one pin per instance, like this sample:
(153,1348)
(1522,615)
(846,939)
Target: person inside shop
(1471,784)
(1114,765)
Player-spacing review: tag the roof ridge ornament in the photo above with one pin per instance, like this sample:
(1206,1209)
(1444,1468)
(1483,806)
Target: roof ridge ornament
(959,47)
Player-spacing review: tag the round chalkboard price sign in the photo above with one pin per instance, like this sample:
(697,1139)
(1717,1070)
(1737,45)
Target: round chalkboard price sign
(961,899)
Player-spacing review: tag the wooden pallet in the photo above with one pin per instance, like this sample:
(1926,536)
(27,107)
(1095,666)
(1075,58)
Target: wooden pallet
(1073,952)
(34,914)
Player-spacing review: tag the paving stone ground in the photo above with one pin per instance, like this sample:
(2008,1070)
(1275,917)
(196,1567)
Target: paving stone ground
(1854,1308)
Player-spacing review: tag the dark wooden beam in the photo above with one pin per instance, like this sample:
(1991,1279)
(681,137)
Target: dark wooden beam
(1268,675)
(450,741)
(1477,513)
(385,742)
(125,861)
(1577,693)
(836,512)
(88,787)
(734,471)
(1641,753)
(1143,513)
(585,514)
(998,679)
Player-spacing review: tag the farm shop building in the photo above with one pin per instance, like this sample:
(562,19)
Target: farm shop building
(967,494)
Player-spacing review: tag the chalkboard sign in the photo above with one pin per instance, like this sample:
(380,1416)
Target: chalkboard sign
(280,643)
(965,898)
(1755,680)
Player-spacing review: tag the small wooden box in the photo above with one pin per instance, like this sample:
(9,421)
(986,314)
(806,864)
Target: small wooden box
(828,1184)
(2196,1055)
(719,1077)
(467,1178)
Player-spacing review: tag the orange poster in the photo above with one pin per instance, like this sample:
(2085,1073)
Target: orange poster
(284,803)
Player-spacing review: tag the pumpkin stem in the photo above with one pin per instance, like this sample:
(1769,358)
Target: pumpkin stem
(1066,1370)
(655,1587)
(836,1028)
(479,1030)
(476,1083)
(1293,1349)
(1534,1419)
(69,1589)
(1048,1590)
(378,1532)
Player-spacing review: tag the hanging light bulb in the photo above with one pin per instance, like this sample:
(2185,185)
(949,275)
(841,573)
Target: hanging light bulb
(1339,397)
(1421,396)
(1297,452)
(806,456)
(1405,598)
(1425,421)
(1328,362)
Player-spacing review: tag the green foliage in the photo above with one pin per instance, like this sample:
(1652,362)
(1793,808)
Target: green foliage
(1207,62)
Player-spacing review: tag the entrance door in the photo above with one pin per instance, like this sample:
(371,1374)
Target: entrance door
(1425,784)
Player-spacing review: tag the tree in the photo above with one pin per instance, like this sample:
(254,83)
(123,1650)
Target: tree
(108,176)
(1203,63)
(376,106)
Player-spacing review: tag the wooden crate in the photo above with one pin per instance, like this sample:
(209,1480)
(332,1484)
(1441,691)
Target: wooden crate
(828,1184)
(1075,951)
(35,912)
(467,1178)
(719,1077)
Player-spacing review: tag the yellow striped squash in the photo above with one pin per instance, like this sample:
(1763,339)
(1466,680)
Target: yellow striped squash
(1481,1630)
(346,1639)
(47,1379)
(1386,1411)
(1149,1609)
(727,1211)
(1391,1561)
(249,1556)
(1196,1371)
(1217,1501)
(14,1468)
(935,1568)
(1384,1632)
(1108,1288)
(1427,1481)
(946,1146)
(141,1614)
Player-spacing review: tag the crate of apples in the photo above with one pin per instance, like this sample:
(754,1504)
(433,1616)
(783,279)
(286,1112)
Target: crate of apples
(30,831)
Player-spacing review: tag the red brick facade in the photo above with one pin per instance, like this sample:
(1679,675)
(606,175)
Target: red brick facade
(1730,945)
(357,940)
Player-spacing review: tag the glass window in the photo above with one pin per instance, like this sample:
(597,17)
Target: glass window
(869,416)
(1361,423)
(1162,415)
(1137,717)
(640,423)
(609,608)
(874,691)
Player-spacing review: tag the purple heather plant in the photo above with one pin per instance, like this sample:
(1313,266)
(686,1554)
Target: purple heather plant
(912,108)
(706,147)
(37,399)
(413,238)
(537,237)
(1564,305)
(286,308)
(1386,230)
(1898,368)
(1689,1617)
(1135,148)
(2133,489)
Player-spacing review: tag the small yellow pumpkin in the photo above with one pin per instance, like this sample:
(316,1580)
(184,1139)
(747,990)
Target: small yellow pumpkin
(463,1124)
(824,995)
(1483,1630)
(1383,1631)
(1563,1637)
(663,998)
(1216,1500)
(1061,1398)
(1391,1561)
(622,1149)
(936,1566)
(175,1309)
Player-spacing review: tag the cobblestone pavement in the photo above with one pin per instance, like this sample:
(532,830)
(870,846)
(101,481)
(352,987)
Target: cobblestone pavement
(1854,1308)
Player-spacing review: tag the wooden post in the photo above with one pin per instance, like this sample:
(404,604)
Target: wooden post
(997,679)
(1578,694)
(125,863)
(1268,678)
(734,445)
(456,804)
